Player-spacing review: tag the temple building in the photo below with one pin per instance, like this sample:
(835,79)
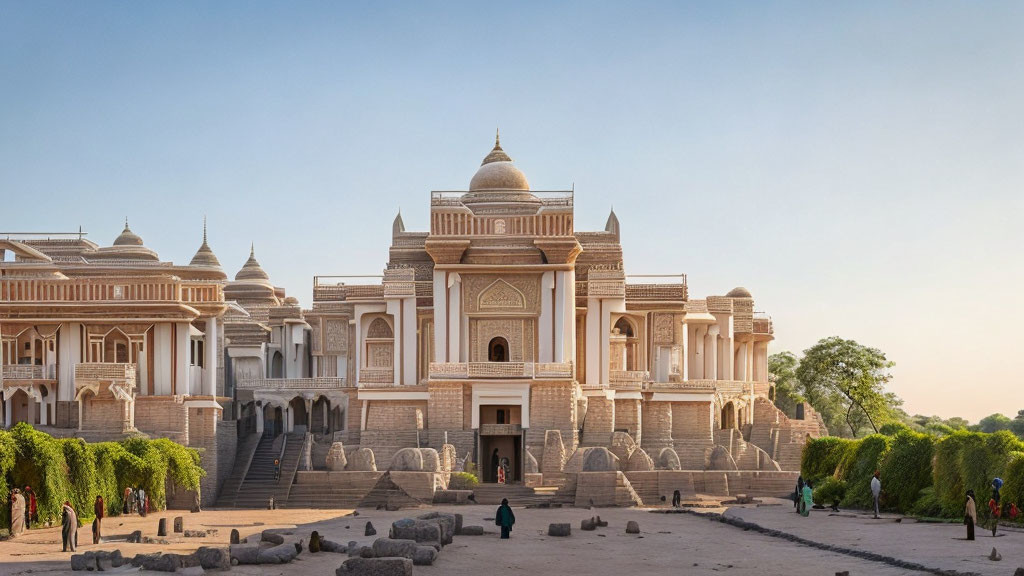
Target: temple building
(502,334)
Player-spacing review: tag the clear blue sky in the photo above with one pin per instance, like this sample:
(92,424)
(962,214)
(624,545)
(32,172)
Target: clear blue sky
(858,166)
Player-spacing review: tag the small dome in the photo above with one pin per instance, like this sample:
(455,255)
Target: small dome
(251,270)
(204,256)
(739,292)
(497,172)
(291,301)
(127,237)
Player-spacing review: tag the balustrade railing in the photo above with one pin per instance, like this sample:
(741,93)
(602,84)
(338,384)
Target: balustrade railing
(442,370)
(376,376)
(29,372)
(121,373)
(111,289)
(323,383)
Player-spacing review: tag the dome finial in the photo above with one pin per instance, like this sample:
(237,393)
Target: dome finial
(204,228)
(125,222)
(252,250)
(497,138)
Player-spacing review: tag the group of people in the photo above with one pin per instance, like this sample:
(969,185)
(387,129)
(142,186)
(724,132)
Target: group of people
(23,510)
(997,509)
(135,501)
(500,466)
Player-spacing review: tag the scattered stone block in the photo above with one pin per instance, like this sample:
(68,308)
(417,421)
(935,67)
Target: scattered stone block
(148,540)
(355,551)
(329,546)
(843,573)
(162,563)
(314,542)
(140,559)
(375,567)
(81,562)
(179,524)
(370,530)
(446,521)
(195,533)
(135,537)
(995,555)
(161,529)
(211,558)
(422,531)
(366,552)
(560,530)
(587,524)
(424,556)
(280,554)
(386,547)
(632,527)
(244,554)
(600,523)
(234,536)
(472,531)
(272,537)
(1018,572)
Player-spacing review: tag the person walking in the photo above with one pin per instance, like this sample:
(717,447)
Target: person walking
(277,470)
(876,490)
(31,513)
(799,493)
(994,504)
(69,527)
(17,513)
(808,499)
(505,518)
(970,514)
(99,510)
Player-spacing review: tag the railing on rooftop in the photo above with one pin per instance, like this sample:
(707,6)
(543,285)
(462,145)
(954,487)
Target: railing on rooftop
(547,197)
(535,370)
(29,372)
(109,290)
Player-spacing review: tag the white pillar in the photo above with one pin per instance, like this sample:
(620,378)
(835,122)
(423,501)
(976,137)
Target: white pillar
(685,368)
(182,342)
(409,326)
(454,320)
(546,329)
(69,345)
(162,343)
(712,354)
(699,334)
(593,342)
(259,419)
(210,361)
(440,316)
(43,420)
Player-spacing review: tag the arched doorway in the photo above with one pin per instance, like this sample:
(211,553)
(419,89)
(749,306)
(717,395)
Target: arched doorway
(298,411)
(497,350)
(728,416)
(277,366)
(273,420)
(21,408)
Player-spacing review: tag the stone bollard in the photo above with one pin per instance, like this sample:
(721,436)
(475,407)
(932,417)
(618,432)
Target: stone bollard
(376,566)
(234,536)
(314,542)
(472,531)
(370,530)
(600,523)
(632,527)
(179,524)
(559,530)
(424,556)
(587,524)
(162,527)
(135,537)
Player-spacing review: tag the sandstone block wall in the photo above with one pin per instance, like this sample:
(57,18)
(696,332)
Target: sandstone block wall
(446,406)
(691,421)
(657,426)
(163,416)
(396,415)
(600,420)
(627,417)
(552,408)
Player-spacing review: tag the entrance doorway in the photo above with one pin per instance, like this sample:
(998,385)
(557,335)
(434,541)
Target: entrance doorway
(497,350)
(501,442)
(273,420)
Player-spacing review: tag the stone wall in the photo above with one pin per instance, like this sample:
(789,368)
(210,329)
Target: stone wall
(600,420)
(627,417)
(163,416)
(396,415)
(651,486)
(657,426)
(446,406)
(105,413)
(552,408)
(691,421)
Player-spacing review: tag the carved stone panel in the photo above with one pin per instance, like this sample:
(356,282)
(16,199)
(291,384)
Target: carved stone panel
(664,330)
(518,332)
(511,293)
(380,355)
(336,336)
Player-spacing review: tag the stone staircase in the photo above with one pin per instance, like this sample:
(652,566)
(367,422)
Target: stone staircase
(229,491)
(259,484)
(517,494)
(385,443)
(746,455)
(328,496)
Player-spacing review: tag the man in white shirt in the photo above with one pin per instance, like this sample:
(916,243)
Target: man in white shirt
(876,489)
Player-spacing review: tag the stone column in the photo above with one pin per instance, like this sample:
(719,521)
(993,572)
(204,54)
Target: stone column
(259,419)
(455,320)
(545,327)
(712,353)
(210,358)
(440,316)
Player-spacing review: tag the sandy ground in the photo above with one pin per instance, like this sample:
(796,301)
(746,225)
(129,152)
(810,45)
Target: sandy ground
(668,543)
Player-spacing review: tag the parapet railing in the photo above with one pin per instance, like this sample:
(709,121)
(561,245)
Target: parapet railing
(29,372)
(557,370)
(109,290)
(321,383)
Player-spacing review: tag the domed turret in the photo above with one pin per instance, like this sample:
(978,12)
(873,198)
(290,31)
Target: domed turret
(739,292)
(127,237)
(204,256)
(252,270)
(497,172)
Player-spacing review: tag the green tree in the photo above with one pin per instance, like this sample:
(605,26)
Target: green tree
(994,423)
(782,373)
(848,381)
(1017,425)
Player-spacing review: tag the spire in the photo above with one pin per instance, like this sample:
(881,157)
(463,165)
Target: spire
(205,256)
(252,270)
(398,226)
(612,225)
(497,154)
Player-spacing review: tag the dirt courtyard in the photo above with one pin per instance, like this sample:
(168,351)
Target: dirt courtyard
(667,544)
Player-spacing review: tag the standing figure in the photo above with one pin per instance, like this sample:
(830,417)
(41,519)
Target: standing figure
(146,506)
(994,504)
(970,514)
(505,518)
(495,461)
(99,509)
(31,514)
(17,513)
(125,501)
(677,499)
(69,527)
(808,500)
(799,494)
(141,502)
(277,470)
(876,490)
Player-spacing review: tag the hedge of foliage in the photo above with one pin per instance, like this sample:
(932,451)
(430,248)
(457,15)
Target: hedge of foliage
(71,469)
(921,474)
(462,481)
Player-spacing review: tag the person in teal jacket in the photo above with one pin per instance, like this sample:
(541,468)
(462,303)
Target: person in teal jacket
(808,500)
(505,518)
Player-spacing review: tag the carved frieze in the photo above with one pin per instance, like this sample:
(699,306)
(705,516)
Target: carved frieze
(501,293)
(336,336)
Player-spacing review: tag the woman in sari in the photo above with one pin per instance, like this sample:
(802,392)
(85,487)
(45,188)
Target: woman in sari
(970,514)
(69,527)
(808,500)
(97,525)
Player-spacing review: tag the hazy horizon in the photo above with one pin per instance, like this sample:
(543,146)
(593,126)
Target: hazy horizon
(856,167)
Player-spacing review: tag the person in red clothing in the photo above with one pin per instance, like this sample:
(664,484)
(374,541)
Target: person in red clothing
(99,509)
(31,514)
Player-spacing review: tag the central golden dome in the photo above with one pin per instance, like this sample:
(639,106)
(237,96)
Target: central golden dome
(497,172)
